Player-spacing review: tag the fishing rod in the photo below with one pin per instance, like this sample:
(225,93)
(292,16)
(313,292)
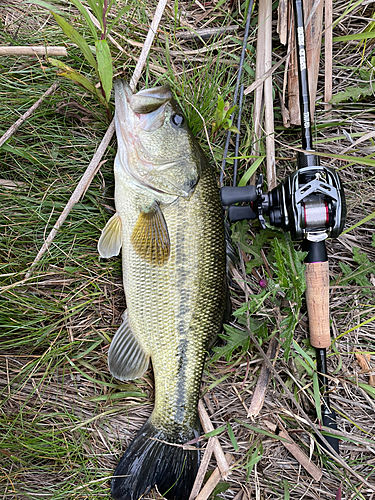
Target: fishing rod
(310,204)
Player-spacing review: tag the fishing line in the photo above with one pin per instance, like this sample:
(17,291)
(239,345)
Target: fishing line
(239,75)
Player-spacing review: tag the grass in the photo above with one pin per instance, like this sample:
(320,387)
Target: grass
(63,420)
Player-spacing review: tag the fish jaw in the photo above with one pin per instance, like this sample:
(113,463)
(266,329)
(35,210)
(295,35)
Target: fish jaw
(154,153)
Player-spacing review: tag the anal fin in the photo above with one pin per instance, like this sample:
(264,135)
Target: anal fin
(127,359)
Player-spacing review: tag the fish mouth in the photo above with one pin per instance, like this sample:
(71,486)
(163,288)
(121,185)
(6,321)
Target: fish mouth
(145,101)
(145,111)
(149,100)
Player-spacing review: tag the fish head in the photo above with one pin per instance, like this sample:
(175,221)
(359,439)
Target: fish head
(155,146)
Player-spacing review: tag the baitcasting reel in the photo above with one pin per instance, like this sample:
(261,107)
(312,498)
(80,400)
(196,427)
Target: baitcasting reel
(310,203)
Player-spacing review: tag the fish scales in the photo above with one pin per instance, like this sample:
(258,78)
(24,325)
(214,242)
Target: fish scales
(169,224)
(174,309)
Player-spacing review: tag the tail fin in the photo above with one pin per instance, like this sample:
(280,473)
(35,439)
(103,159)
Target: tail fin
(152,460)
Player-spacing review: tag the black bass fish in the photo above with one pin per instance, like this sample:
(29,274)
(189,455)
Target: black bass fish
(169,224)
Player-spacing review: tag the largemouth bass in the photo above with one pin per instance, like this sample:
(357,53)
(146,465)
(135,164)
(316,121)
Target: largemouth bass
(169,225)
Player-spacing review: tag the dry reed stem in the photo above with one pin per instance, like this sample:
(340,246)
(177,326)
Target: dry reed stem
(219,454)
(264,89)
(259,75)
(292,74)
(213,481)
(327,54)
(202,468)
(11,130)
(268,98)
(313,18)
(263,380)
(313,10)
(94,165)
(258,82)
(296,451)
(32,51)
(282,21)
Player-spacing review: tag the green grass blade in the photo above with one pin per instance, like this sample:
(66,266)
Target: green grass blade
(103,56)
(87,17)
(355,327)
(305,356)
(316,388)
(232,437)
(362,221)
(251,171)
(356,36)
(97,7)
(75,37)
(71,74)
(46,5)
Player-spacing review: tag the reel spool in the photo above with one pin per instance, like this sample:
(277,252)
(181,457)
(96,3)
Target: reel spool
(310,204)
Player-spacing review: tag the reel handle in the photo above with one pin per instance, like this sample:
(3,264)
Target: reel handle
(232,195)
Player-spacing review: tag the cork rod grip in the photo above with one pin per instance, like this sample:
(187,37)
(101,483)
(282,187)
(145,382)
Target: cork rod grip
(317,300)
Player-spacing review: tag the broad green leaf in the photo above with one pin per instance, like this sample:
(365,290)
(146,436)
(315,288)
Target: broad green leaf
(103,56)
(220,488)
(76,38)
(361,258)
(251,171)
(354,93)
(46,5)
(301,363)
(345,268)
(359,275)
(97,7)
(220,104)
(233,129)
(70,73)
(235,339)
(83,11)
(219,4)
(287,327)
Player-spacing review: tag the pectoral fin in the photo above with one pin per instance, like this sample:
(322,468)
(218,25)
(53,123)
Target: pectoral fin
(126,358)
(150,238)
(110,243)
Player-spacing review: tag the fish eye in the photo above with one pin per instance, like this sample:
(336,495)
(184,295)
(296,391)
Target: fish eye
(177,119)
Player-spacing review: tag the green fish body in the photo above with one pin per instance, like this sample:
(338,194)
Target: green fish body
(169,225)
